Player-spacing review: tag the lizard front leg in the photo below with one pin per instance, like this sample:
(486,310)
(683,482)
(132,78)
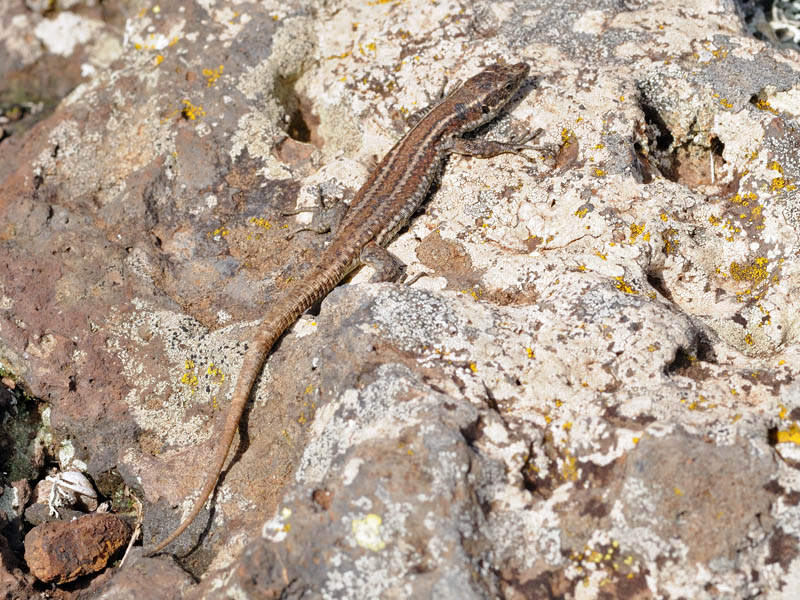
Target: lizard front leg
(488,148)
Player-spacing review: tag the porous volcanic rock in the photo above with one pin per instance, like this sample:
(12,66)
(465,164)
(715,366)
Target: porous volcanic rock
(592,393)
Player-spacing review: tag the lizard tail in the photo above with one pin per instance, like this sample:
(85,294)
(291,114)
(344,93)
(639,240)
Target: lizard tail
(301,297)
(251,367)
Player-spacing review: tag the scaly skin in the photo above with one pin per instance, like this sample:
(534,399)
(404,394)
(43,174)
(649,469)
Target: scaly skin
(384,204)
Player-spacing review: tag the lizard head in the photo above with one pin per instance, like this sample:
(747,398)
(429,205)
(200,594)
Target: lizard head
(485,94)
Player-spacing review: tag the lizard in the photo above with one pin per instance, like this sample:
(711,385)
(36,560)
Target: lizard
(392,193)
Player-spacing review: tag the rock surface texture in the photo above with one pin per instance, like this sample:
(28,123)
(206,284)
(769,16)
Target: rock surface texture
(593,392)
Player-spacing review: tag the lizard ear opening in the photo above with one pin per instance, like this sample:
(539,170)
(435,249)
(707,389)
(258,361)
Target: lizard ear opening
(485,109)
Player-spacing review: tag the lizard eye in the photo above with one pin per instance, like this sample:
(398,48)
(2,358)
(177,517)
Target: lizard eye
(509,87)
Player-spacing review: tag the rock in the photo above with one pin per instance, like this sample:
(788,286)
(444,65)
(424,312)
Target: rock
(414,507)
(11,526)
(160,578)
(593,393)
(14,583)
(46,50)
(22,489)
(60,552)
(38,513)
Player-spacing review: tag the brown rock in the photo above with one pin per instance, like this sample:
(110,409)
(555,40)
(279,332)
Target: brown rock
(164,579)
(706,497)
(61,552)
(13,582)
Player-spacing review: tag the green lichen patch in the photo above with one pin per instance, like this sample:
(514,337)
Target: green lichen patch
(22,434)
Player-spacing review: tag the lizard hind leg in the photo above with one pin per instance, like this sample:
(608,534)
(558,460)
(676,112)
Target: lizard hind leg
(387,266)
(325,217)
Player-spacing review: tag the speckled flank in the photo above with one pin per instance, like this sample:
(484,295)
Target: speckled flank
(382,206)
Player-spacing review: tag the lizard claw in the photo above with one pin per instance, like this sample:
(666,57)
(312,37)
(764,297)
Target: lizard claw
(531,135)
(409,281)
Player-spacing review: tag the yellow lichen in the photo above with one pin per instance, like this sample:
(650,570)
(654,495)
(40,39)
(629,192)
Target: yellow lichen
(567,138)
(670,243)
(789,435)
(755,272)
(192,112)
(215,372)
(570,470)
(367,532)
(189,378)
(212,75)
(260,222)
(624,286)
(764,105)
(637,230)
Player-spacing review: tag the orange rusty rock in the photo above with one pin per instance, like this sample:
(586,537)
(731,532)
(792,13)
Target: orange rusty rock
(59,552)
